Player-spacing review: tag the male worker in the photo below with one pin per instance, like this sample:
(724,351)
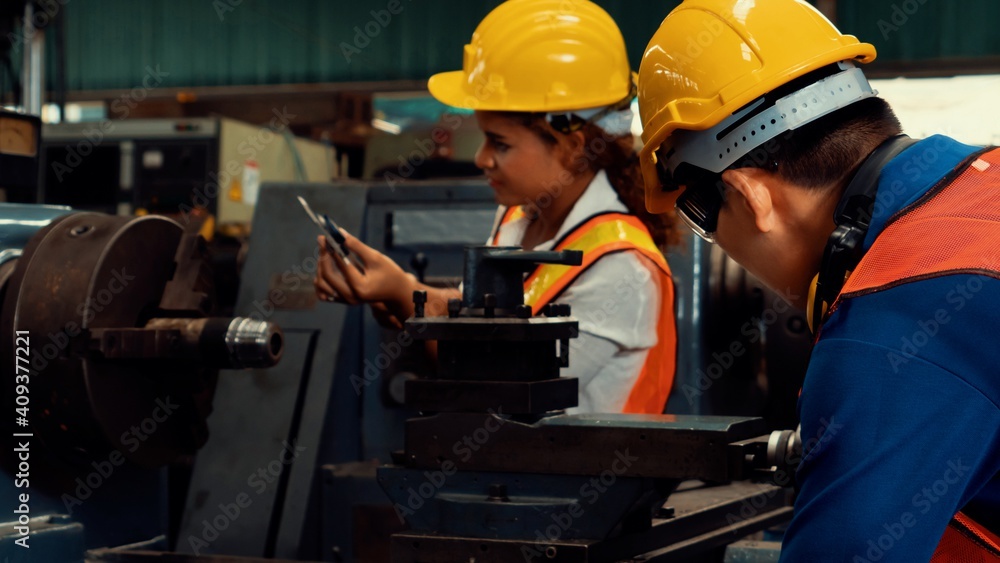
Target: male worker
(766,136)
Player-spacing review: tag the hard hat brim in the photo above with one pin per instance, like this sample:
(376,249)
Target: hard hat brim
(658,200)
(452,89)
(449,88)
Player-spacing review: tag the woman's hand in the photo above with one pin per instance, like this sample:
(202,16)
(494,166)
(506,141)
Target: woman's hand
(384,317)
(383,282)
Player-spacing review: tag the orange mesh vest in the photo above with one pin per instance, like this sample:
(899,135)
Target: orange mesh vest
(953,229)
(597,237)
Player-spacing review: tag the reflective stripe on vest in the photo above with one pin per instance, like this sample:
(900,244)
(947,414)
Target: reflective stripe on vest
(953,229)
(597,237)
(512,214)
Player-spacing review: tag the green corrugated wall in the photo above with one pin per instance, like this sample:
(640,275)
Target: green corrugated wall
(110,43)
(914,30)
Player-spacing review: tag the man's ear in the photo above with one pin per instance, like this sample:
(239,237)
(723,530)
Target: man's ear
(751,184)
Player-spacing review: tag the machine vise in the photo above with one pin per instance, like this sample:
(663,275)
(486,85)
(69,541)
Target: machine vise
(495,471)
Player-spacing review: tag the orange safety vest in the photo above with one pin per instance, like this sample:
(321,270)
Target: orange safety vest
(597,237)
(913,247)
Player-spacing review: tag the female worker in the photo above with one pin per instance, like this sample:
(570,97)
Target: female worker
(551,87)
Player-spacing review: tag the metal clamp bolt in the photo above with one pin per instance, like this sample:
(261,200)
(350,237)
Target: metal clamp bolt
(419,299)
(454,307)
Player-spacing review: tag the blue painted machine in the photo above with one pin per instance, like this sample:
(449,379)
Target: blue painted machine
(288,464)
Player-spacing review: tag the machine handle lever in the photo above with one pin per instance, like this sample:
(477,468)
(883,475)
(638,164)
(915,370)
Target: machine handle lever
(530,258)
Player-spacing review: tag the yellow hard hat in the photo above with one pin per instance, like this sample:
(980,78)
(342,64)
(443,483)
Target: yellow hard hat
(540,56)
(711,63)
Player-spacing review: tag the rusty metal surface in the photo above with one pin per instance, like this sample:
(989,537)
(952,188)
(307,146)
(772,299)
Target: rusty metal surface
(190,289)
(88,271)
(222,343)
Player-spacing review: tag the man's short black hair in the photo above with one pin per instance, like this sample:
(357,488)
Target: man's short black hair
(826,152)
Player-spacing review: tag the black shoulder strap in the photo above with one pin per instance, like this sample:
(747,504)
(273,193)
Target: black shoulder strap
(853,215)
(858,202)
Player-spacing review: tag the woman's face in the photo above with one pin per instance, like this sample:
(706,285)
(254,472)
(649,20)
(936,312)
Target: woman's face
(521,167)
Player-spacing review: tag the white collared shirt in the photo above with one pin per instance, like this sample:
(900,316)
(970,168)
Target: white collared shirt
(616,301)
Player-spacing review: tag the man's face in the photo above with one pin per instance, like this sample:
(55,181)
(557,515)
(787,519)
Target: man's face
(775,230)
(737,234)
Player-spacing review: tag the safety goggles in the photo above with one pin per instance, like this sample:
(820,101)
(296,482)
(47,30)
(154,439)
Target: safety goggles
(699,209)
(701,199)
(704,192)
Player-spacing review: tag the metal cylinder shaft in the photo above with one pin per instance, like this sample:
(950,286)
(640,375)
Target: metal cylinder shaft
(229,343)
(253,344)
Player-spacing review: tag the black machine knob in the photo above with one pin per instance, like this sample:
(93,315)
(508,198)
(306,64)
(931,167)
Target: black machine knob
(499,271)
(490,347)
(419,300)
(419,264)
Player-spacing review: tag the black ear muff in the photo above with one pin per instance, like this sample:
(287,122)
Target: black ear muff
(845,247)
(843,251)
